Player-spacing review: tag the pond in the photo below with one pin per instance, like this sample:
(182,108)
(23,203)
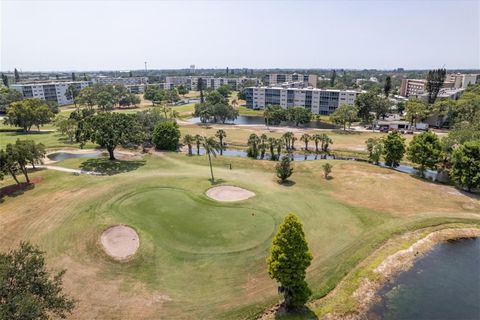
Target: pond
(443,284)
(257,120)
(59,156)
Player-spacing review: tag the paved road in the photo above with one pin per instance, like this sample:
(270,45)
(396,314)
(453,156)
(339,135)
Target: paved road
(63,169)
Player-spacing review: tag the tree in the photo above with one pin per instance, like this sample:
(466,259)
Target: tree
(435,79)
(182,90)
(28,113)
(221,134)
(263,145)
(188,139)
(35,152)
(288,138)
(166,136)
(105,101)
(327,169)
(211,147)
(87,97)
(284,169)
(16,75)
(148,120)
(288,261)
(200,88)
(272,143)
(416,110)
(224,90)
(4,80)
(364,103)
(466,165)
(67,126)
(394,149)
(317,137)
(345,114)
(9,163)
(375,149)
(305,138)
(130,99)
(253,142)
(7,96)
(215,98)
(27,290)
(388,86)
(112,129)
(74,77)
(425,150)
(332,78)
(72,92)
(299,115)
(274,115)
(198,142)
(326,141)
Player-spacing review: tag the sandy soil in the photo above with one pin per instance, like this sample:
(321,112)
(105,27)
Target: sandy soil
(229,193)
(120,242)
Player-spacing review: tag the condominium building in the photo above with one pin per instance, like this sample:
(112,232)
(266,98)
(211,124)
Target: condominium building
(125,81)
(416,87)
(207,82)
(51,91)
(318,101)
(309,80)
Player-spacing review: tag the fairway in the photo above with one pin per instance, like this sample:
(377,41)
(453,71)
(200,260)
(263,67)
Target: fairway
(205,259)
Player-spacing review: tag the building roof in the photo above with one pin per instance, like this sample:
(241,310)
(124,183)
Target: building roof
(303,89)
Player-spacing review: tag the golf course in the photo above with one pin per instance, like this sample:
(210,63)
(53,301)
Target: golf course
(203,258)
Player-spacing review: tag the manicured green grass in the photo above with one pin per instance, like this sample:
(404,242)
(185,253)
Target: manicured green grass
(205,258)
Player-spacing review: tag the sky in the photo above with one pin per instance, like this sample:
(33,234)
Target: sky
(121,35)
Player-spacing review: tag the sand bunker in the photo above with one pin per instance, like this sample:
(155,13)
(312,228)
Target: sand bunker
(120,242)
(229,193)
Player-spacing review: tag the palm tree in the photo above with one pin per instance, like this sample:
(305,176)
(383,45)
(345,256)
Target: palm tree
(272,143)
(316,138)
(263,145)
(198,141)
(165,109)
(253,142)
(287,137)
(174,114)
(221,134)
(325,142)
(279,147)
(211,147)
(305,138)
(293,141)
(234,103)
(188,139)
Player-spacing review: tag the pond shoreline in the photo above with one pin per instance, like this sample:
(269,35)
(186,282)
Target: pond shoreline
(368,291)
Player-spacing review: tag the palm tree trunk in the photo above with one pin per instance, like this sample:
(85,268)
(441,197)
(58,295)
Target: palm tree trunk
(221,146)
(211,170)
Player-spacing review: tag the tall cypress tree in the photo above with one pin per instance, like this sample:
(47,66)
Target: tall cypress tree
(17,75)
(435,79)
(388,86)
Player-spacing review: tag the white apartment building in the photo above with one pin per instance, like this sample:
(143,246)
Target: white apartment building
(318,101)
(130,81)
(51,91)
(416,87)
(208,82)
(274,79)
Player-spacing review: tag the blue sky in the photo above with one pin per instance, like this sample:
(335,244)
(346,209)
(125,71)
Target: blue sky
(121,35)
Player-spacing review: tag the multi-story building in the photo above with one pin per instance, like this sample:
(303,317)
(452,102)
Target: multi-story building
(309,80)
(125,81)
(51,91)
(318,101)
(416,87)
(410,87)
(207,82)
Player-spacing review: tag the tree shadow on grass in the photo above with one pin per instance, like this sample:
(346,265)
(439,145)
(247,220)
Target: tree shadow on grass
(287,183)
(15,190)
(111,167)
(303,313)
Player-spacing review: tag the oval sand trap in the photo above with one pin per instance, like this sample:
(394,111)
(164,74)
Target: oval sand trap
(120,242)
(229,193)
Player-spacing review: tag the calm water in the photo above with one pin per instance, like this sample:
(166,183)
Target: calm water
(260,120)
(59,156)
(443,284)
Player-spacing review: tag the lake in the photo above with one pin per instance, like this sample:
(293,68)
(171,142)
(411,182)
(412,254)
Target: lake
(443,284)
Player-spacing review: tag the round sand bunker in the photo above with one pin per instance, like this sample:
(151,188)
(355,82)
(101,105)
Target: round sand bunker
(120,242)
(229,193)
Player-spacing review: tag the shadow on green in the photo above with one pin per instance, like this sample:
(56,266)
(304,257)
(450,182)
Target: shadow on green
(111,167)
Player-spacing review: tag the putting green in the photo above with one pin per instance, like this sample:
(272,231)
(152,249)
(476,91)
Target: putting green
(178,220)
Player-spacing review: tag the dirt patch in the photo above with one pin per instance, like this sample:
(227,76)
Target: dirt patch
(120,242)
(229,193)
